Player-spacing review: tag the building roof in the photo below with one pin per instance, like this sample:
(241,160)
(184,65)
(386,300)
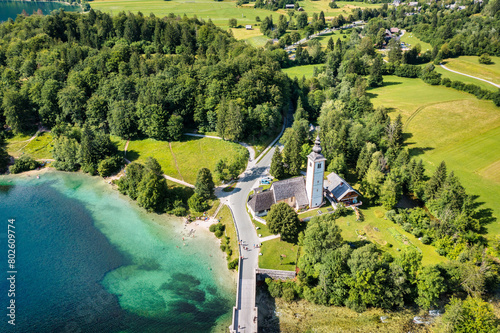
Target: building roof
(337,186)
(316,153)
(394,30)
(261,201)
(293,187)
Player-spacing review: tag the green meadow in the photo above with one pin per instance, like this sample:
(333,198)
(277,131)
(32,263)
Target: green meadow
(300,71)
(218,11)
(411,40)
(182,159)
(345,7)
(277,254)
(465,79)
(38,148)
(445,124)
(470,65)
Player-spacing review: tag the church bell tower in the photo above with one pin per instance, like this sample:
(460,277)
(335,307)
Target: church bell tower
(316,163)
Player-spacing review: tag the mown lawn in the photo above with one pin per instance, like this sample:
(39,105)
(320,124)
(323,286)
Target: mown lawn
(470,65)
(457,77)
(452,126)
(189,155)
(263,229)
(345,7)
(219,12)
(38,148)
(411,40)
(275,249)
(226,218)
(300,71)
(253,37)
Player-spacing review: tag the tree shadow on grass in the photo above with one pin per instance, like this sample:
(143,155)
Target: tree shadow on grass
(132,155)
(418,150)
(484,215)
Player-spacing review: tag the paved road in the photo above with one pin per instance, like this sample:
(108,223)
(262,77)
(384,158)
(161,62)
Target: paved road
(236,200)
(474,77)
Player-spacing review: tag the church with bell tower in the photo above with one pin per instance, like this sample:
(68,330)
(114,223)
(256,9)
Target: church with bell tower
(306,192)
(316,163)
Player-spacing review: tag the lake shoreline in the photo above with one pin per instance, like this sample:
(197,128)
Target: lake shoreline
(166,227)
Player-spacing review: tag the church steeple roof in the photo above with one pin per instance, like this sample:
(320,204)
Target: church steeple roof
(316,151)
(317,146)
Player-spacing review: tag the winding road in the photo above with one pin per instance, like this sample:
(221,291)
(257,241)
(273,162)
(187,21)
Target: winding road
(244,314)
(474,77)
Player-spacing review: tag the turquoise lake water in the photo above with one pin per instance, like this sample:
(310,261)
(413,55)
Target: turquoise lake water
(12,8)
(89,260)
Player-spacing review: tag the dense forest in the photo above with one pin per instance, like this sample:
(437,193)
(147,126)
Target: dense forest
(367,147)
(85,77)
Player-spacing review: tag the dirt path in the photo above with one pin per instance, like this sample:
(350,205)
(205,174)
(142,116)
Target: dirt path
(474,77)
(175,160)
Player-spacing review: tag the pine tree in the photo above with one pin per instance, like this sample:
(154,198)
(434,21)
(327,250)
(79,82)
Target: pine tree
(364,159)
(204,185)
(436,182)
(331,45)
(375,78)
(277,170)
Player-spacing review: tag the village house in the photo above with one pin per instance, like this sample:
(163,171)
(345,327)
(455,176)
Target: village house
(290,6)
(248,27)
(303,192)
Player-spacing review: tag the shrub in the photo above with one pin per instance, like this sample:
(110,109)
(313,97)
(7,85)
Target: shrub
(407,227)
(218,233)
(109,165)
(233,264)
(446,82)
(24,163)
(223,247)
(496,98)
(288,294)
(417,232)
(405,70)
(197,203)
(485,59)
(390,215)
(426,239)
(229,252)
(178,208)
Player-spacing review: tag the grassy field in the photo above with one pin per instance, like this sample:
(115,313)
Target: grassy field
(345,7)
(253,37)
(263,229)
(382,232)
(275,249)
(219,12)
(300,71)
(452,126)
(186,157)
(470,65)
(38,148)
(411,40)
(303,316)
(457,77)
(226,218)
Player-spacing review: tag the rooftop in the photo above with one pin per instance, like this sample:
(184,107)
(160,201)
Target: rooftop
(261,201)
(293,187)
(337,186)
